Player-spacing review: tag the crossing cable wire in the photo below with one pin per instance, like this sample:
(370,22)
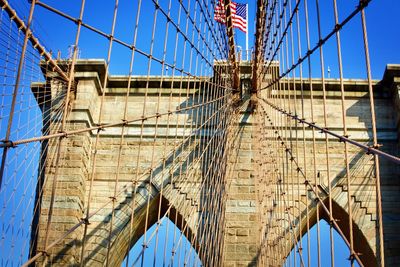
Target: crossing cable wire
(197,6)
(307,183)
(47,156)
(283,33)
(271,196)
(131,63)
(186,172)
(264,193)
(79,21)
(21,166)
(284,102)
(201,95)
(233,134)
(14,143)
(276,169)
(182,227)
(191,125)
(208,220)
(349,193)
(12,55)
(121,145)
(281,170)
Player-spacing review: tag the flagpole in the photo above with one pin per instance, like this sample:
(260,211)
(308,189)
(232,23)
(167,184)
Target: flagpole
(247,31)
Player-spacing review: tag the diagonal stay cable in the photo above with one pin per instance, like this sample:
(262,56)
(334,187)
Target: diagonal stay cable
(368,149)
(102,127)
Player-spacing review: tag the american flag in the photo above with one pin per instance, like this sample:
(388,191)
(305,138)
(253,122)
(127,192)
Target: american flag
(239,14)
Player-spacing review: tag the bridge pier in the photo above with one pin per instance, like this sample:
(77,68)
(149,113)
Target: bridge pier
(242,233)
(248,185)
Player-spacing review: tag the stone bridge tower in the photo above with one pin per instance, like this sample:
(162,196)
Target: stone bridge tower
(243,214)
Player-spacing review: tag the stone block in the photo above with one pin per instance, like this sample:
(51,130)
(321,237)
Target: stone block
(242,232)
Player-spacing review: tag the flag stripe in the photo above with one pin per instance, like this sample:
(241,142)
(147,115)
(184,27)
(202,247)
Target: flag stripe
(238,11)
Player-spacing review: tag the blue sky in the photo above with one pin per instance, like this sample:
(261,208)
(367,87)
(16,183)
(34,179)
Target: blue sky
(381,21)
(167,231)
(341,250)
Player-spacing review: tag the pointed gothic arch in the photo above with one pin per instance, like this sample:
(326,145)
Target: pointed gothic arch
(361,245)
(122,245)
(166,244)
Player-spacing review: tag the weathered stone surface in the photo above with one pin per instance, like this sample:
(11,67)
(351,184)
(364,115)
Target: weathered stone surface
(250,182)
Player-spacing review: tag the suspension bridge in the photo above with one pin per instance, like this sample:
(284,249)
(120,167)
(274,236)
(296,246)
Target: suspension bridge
(158,141)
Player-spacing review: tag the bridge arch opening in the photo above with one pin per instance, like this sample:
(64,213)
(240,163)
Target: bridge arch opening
(164,244)
(341,250)
(158,236)
(341,255)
